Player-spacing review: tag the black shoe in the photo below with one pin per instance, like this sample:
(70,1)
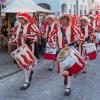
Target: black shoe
(84,71)
(75,75)
(14,61)
(25,86)
(67,92)
(30,78)
(65,82)
(51,69)
(19,67)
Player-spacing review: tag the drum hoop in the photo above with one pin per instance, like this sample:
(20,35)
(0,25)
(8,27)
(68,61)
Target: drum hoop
(88,43)
(64,57)
(18,49)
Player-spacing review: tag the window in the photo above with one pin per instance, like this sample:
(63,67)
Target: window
(85,11)
(74,9)
(64,8)
(70,9)
(81,9)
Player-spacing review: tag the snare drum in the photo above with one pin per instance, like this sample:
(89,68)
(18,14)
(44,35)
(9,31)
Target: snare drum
(69,60)
(90,49)
(24,57)
(50,53)
(97,38)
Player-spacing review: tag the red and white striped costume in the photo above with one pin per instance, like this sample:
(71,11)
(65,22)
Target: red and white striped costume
(74,20)
(87,31)
(98,23)
(71,33)
(29,31)
(92,21)
(68,33)
(93,24)
(25,34)
(50,35)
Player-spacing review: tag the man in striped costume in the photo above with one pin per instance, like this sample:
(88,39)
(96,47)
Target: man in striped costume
(25,32)
(67,33)
(88,32)
(50,30)
(86,29)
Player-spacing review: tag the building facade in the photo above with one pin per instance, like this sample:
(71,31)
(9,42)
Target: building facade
(79,7)
(83,7)
(94,7)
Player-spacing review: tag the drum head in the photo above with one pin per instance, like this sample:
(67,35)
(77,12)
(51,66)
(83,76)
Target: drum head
(63,53)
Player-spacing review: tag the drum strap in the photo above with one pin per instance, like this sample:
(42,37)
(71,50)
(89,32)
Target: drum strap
(49,29)
(65,39)
(63,33)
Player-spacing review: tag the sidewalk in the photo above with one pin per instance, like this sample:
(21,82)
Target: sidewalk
(47,85)
(7,66)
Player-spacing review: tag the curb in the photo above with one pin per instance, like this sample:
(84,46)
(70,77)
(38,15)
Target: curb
(15,72)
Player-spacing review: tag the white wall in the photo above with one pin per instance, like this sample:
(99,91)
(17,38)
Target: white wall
(71,4)
(83,5)
(56,5)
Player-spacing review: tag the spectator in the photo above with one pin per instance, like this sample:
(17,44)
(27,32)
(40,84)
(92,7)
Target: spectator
(4,31)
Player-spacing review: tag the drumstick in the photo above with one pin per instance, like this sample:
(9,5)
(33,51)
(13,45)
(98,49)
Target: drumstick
(5,38)
(28,36)
(70,44)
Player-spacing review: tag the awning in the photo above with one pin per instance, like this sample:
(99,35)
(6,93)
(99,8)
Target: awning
(24,6)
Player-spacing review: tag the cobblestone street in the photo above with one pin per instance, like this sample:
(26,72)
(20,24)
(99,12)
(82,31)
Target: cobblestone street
(49,49)
(49,86)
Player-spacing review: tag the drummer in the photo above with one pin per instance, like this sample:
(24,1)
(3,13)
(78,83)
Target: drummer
(86,29)
(98,31)
(22,31)
(88,32)
(67,34)
(50,30)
